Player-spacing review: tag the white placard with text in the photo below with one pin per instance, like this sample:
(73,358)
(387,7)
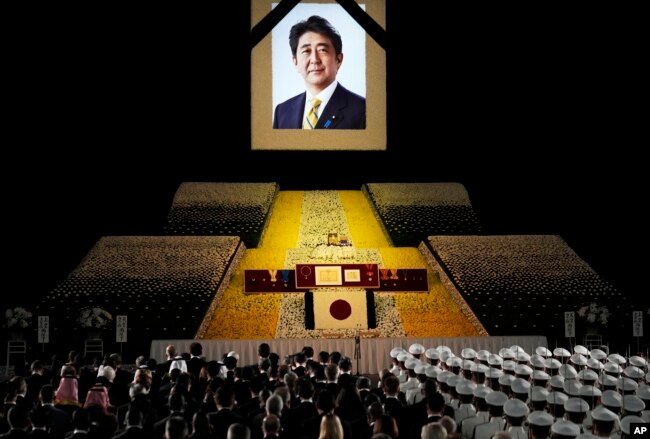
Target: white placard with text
(43,329)
(637,323)
(569,324)
(120,329)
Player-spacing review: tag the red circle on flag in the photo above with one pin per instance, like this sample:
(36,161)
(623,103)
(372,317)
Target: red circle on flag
(340,309)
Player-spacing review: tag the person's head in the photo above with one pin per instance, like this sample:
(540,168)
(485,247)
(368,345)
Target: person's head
(331,427)
(271,425)
(317,51)
(449,424)
(176,428)
(196,349)
(238,431)
(264,350)
(18,417)
(433,430)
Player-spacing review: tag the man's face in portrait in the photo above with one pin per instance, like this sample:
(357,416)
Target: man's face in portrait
(316,61)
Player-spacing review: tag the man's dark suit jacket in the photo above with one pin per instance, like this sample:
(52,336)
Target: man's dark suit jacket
(344,111)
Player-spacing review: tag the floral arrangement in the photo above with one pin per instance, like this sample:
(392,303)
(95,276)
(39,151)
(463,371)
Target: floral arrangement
(295,234)
(594,313)
(97,318)
(17,318)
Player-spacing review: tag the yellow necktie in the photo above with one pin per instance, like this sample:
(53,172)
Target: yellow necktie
(312,118)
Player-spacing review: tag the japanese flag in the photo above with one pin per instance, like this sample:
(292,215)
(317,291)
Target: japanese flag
(340,308)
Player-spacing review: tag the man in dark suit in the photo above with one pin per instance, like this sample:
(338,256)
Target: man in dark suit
(317,55)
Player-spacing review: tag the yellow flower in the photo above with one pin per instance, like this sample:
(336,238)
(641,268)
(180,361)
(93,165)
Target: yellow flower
(432,314)
(365,229)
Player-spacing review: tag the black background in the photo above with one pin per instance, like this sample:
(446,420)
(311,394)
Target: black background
(532,109)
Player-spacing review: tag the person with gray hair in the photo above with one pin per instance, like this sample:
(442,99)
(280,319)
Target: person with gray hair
(434,430)
(274,405)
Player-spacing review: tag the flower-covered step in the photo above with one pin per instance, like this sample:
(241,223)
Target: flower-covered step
(164,284)
(412,211)
(524,283)
(229,209)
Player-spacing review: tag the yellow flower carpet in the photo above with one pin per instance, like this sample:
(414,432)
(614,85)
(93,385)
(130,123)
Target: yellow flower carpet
(256,316)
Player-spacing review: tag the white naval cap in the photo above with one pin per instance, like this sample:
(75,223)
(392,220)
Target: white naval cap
(445,355)
(443,348)
(467,364)
(557,381)
(578,359)
(576,405)
(587,375)
(233,354)
(633,372)
(538,393)
(482,391)
(506,379)
(496,398)
(508,365)
(454,362)
(556,398)
(537,361)
(593,363)
(540,418)
(643,392)
(432,354)
(590,391)
(637,361)
(394,353)
(520,385)
(402,357)
(580,349)
(597,354)
(515,408)
(561,352)
(495,360)
(568,372)
(465,387)
(452,381)
(506,353)
(523,369)
(603,414)
(543,351)
(480,368)
(420,369)
(411,363)
(633,404)
(416,349)
(444,376)
(607,380)
(540,375)
(493,373)
(612,368)
(627,420)
(572,387)
(626,384)
(468,353)
(611,398)
(617,358)
(565,428)
(522,356)
(432,371)
(552,363)
(516,348)
(483,355)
